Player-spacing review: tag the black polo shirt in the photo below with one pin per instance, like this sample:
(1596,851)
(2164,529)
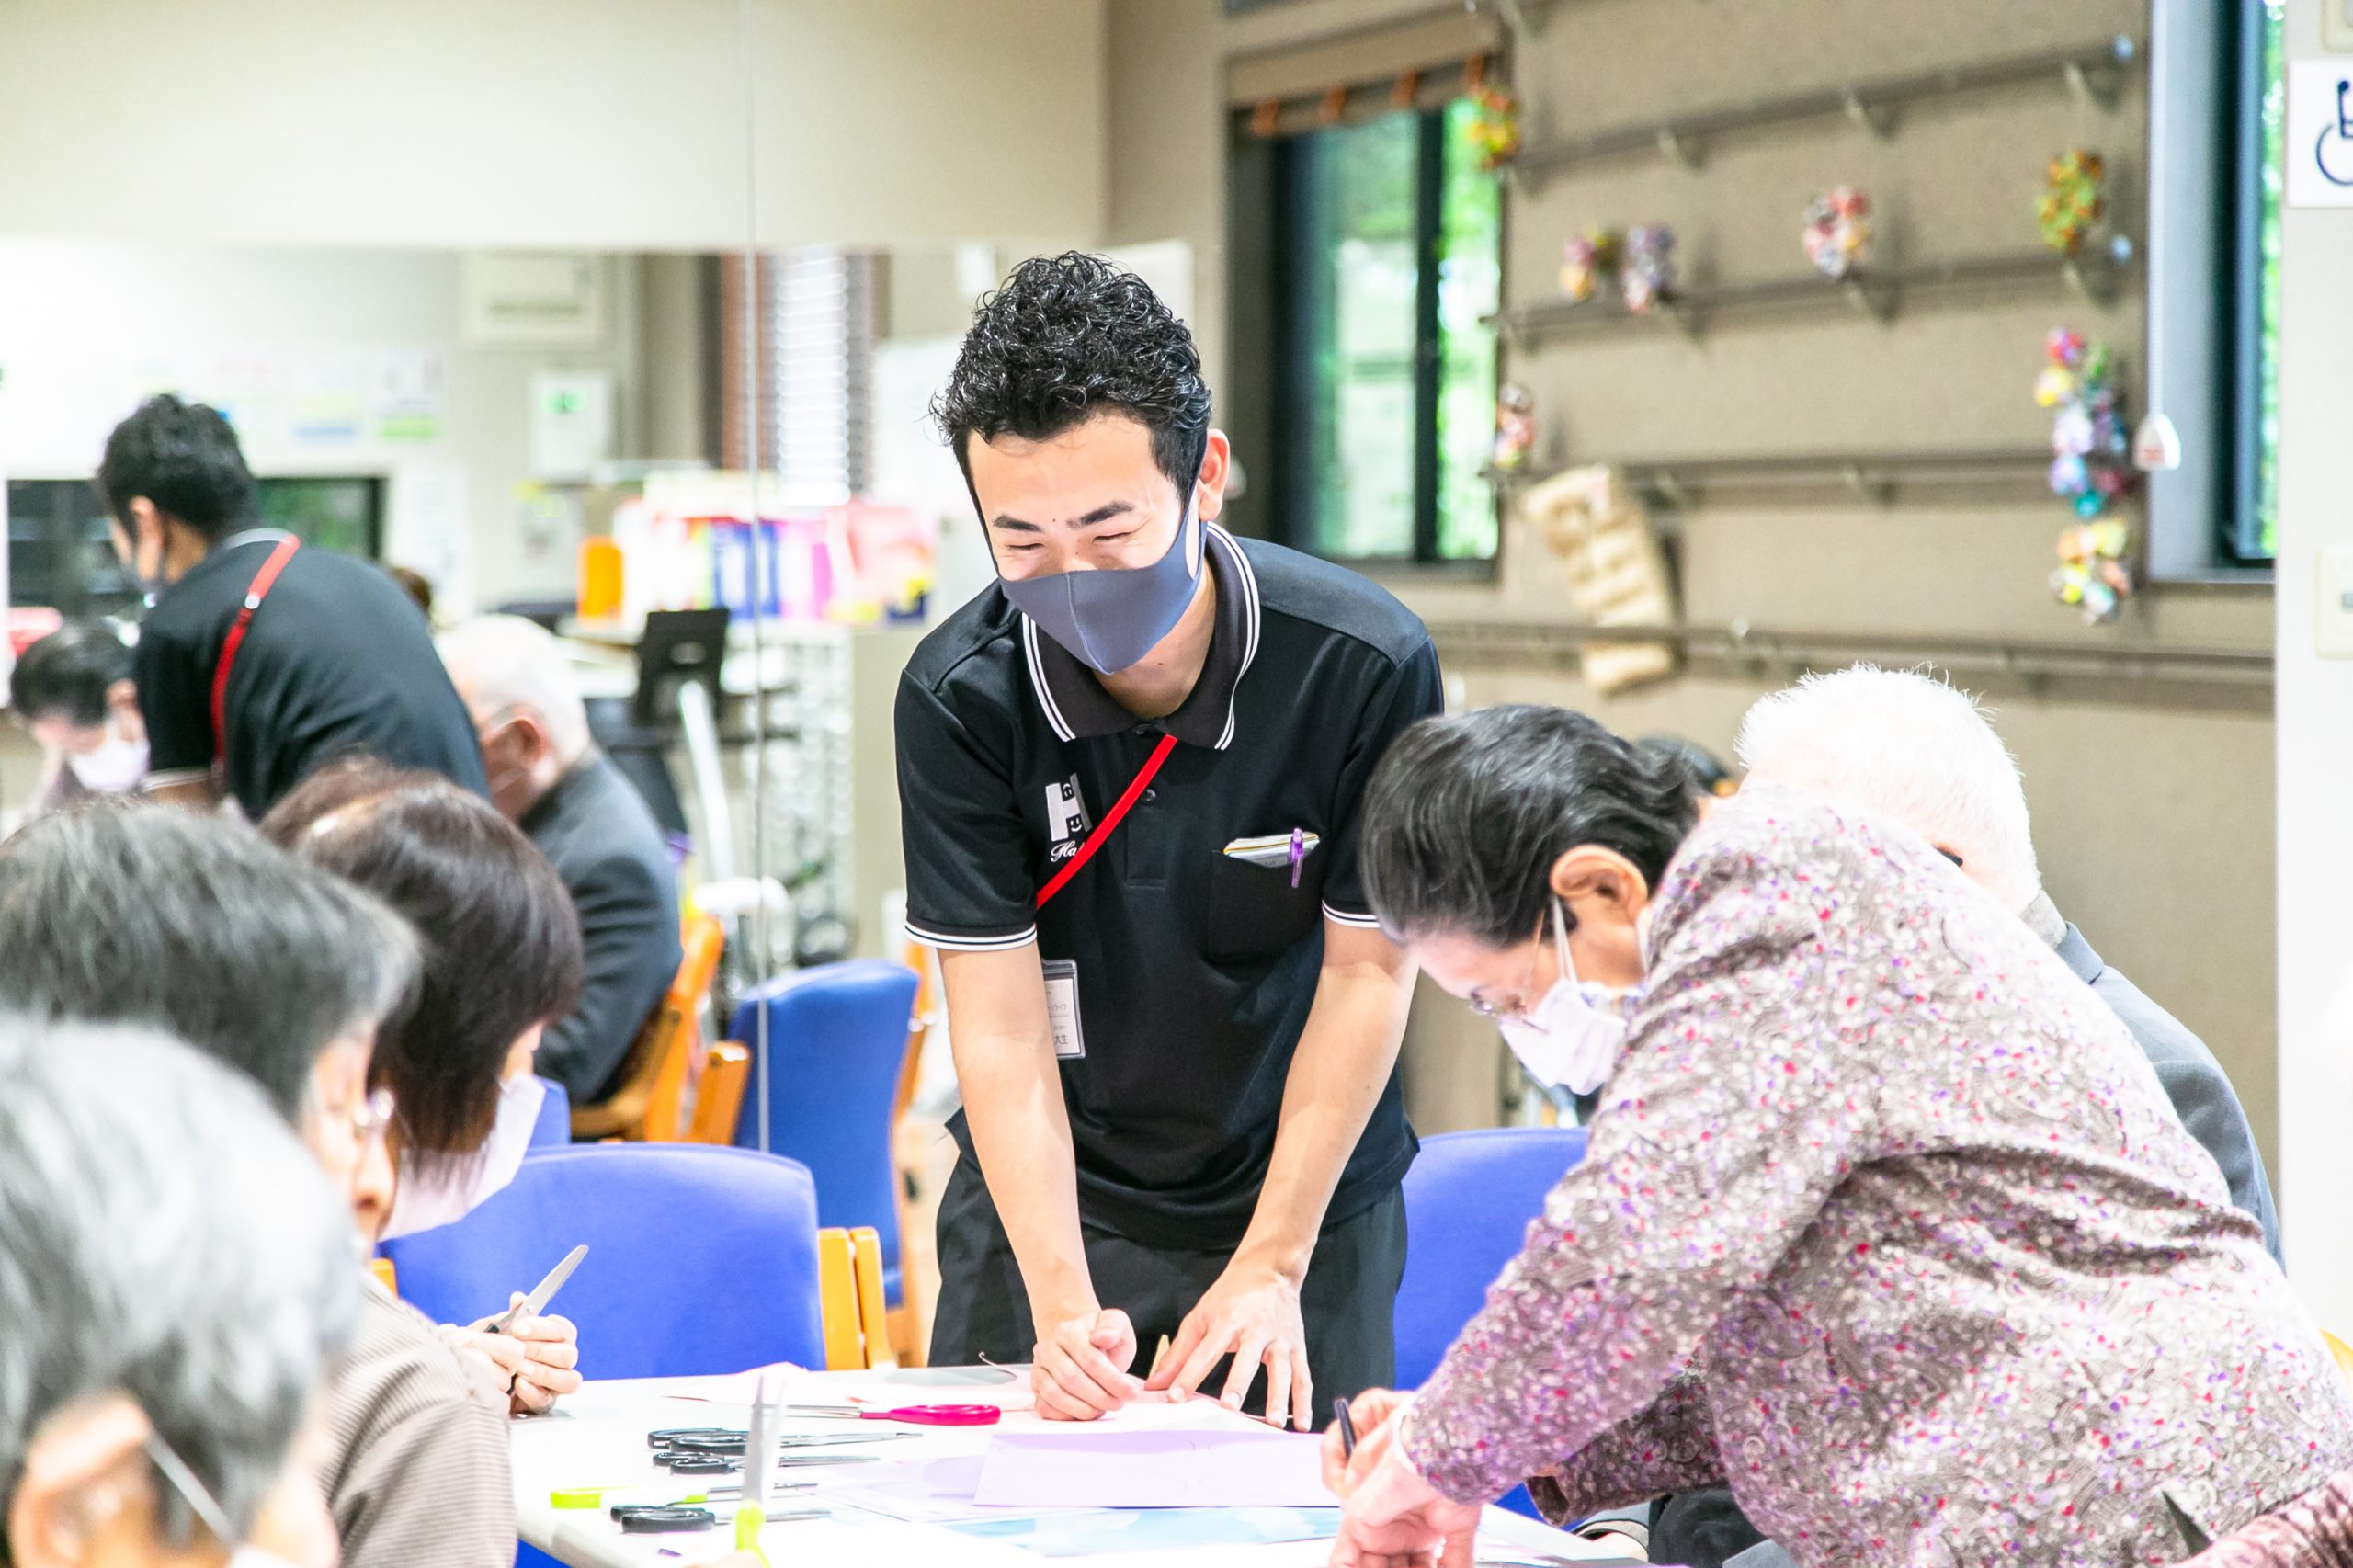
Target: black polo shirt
(338,662)
(1195,968)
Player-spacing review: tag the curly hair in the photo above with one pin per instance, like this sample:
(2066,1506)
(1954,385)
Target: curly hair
(183,457)
(1069,337)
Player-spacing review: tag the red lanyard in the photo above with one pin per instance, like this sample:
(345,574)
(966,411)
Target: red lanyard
(264,579)
(1111,819)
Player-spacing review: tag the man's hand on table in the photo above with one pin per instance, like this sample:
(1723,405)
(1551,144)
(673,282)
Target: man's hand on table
(535,1357)
(1251,1314)
(1079,1370)
(1390,1516)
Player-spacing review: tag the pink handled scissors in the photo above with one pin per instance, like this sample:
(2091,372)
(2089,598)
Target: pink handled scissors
(914,1414)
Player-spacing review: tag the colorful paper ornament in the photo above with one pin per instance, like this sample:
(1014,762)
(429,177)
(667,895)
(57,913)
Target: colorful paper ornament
(2072,202)
(1586,259)
(1837,228)
(1648,277)
(2089,471)
(1495,127)
(2093,572)
(1515,426)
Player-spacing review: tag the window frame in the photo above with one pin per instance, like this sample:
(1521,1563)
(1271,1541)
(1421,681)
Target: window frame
(1287,390)
(2203,343)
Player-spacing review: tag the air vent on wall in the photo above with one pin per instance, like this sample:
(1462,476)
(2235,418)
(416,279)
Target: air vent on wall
(520,300)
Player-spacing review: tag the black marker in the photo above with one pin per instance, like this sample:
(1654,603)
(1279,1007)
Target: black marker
(1347,1429)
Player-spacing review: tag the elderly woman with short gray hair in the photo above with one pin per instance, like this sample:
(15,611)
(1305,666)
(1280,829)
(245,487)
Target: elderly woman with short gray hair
(1883,1221)
(174,1273)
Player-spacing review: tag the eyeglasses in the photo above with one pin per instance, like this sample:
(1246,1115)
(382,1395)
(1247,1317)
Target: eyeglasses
(192,1491)
(368,1119)
(1488,1009)
(373,1115)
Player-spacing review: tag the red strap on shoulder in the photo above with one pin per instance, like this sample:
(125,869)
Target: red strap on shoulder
(264,579)
(1111,819)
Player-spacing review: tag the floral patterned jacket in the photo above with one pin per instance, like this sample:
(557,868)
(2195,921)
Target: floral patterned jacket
(1886,1222)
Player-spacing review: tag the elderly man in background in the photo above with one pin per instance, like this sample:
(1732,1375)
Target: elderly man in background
(1917,752)
(548,777)
(175,1272)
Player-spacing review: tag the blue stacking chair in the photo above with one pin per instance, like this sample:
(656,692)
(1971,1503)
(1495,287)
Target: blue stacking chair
(1468,1198)
(700,1259)
(553,1128)
(837,1035)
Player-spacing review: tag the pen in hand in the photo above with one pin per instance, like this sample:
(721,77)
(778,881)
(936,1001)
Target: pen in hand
(1347,1428)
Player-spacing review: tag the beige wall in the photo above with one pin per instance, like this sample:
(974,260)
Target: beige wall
(538,124)
(2154,808)
(2315,705)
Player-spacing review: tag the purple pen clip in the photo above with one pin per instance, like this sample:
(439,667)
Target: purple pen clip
(1298,852)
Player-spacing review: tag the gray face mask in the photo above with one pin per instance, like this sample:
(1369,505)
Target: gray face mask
(1109,621)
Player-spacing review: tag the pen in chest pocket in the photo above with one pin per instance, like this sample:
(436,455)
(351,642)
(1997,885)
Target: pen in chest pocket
(1276,850)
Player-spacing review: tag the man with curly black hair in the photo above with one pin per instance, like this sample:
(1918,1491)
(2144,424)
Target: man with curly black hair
(1129,773)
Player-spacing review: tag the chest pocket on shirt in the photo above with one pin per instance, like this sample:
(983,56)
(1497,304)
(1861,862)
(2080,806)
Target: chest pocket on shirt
(1254,913)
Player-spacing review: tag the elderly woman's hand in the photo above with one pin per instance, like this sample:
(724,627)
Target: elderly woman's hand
(1391,1517)
(535,1356)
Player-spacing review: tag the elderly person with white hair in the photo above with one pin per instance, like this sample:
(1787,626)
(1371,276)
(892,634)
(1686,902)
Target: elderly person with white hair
(1919,752)
(175,1272)
(547,776)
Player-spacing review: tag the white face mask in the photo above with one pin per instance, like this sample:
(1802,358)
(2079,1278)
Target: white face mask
(114,768)
(442,1196)
(1571,1037)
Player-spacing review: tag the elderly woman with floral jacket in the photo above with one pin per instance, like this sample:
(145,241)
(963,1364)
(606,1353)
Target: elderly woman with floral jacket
(1883,1222)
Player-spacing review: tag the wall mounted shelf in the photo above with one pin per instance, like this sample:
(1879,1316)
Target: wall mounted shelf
(2096,71)
(1874,477)
(1786,652)
(2096,274)
(1520,15)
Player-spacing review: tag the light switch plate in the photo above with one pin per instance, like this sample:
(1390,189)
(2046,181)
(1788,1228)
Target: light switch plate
(2333,605)
(2336,26)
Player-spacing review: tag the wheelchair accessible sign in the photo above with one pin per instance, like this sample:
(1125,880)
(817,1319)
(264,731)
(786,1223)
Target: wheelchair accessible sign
(2320,133)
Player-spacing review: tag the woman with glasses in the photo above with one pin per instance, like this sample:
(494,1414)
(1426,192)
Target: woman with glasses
(1883,1222)
(156,1215)
(123,912)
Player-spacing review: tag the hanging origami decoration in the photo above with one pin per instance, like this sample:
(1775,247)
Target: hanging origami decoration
(2090,470)
(2072,202)
(1648,277)
(1585,261)
(1837,228)
(1515,426)
(1495,127)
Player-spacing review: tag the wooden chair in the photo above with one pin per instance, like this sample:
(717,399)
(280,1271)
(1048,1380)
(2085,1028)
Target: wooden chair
(719,1101)
(850,1293)
(650,1105)
(2341,1353)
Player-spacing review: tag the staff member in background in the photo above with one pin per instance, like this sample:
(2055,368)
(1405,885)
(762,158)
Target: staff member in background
(260,661)
(1129,775)
(72,692)
(548,777)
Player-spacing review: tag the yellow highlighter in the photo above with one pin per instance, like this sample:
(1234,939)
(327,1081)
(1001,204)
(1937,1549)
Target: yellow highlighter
(759,1458)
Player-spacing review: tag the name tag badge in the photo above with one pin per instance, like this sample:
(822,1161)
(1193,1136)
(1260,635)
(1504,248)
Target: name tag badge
(1062,1010)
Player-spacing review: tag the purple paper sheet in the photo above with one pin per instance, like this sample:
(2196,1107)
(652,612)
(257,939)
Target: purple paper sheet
(1154,1470)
